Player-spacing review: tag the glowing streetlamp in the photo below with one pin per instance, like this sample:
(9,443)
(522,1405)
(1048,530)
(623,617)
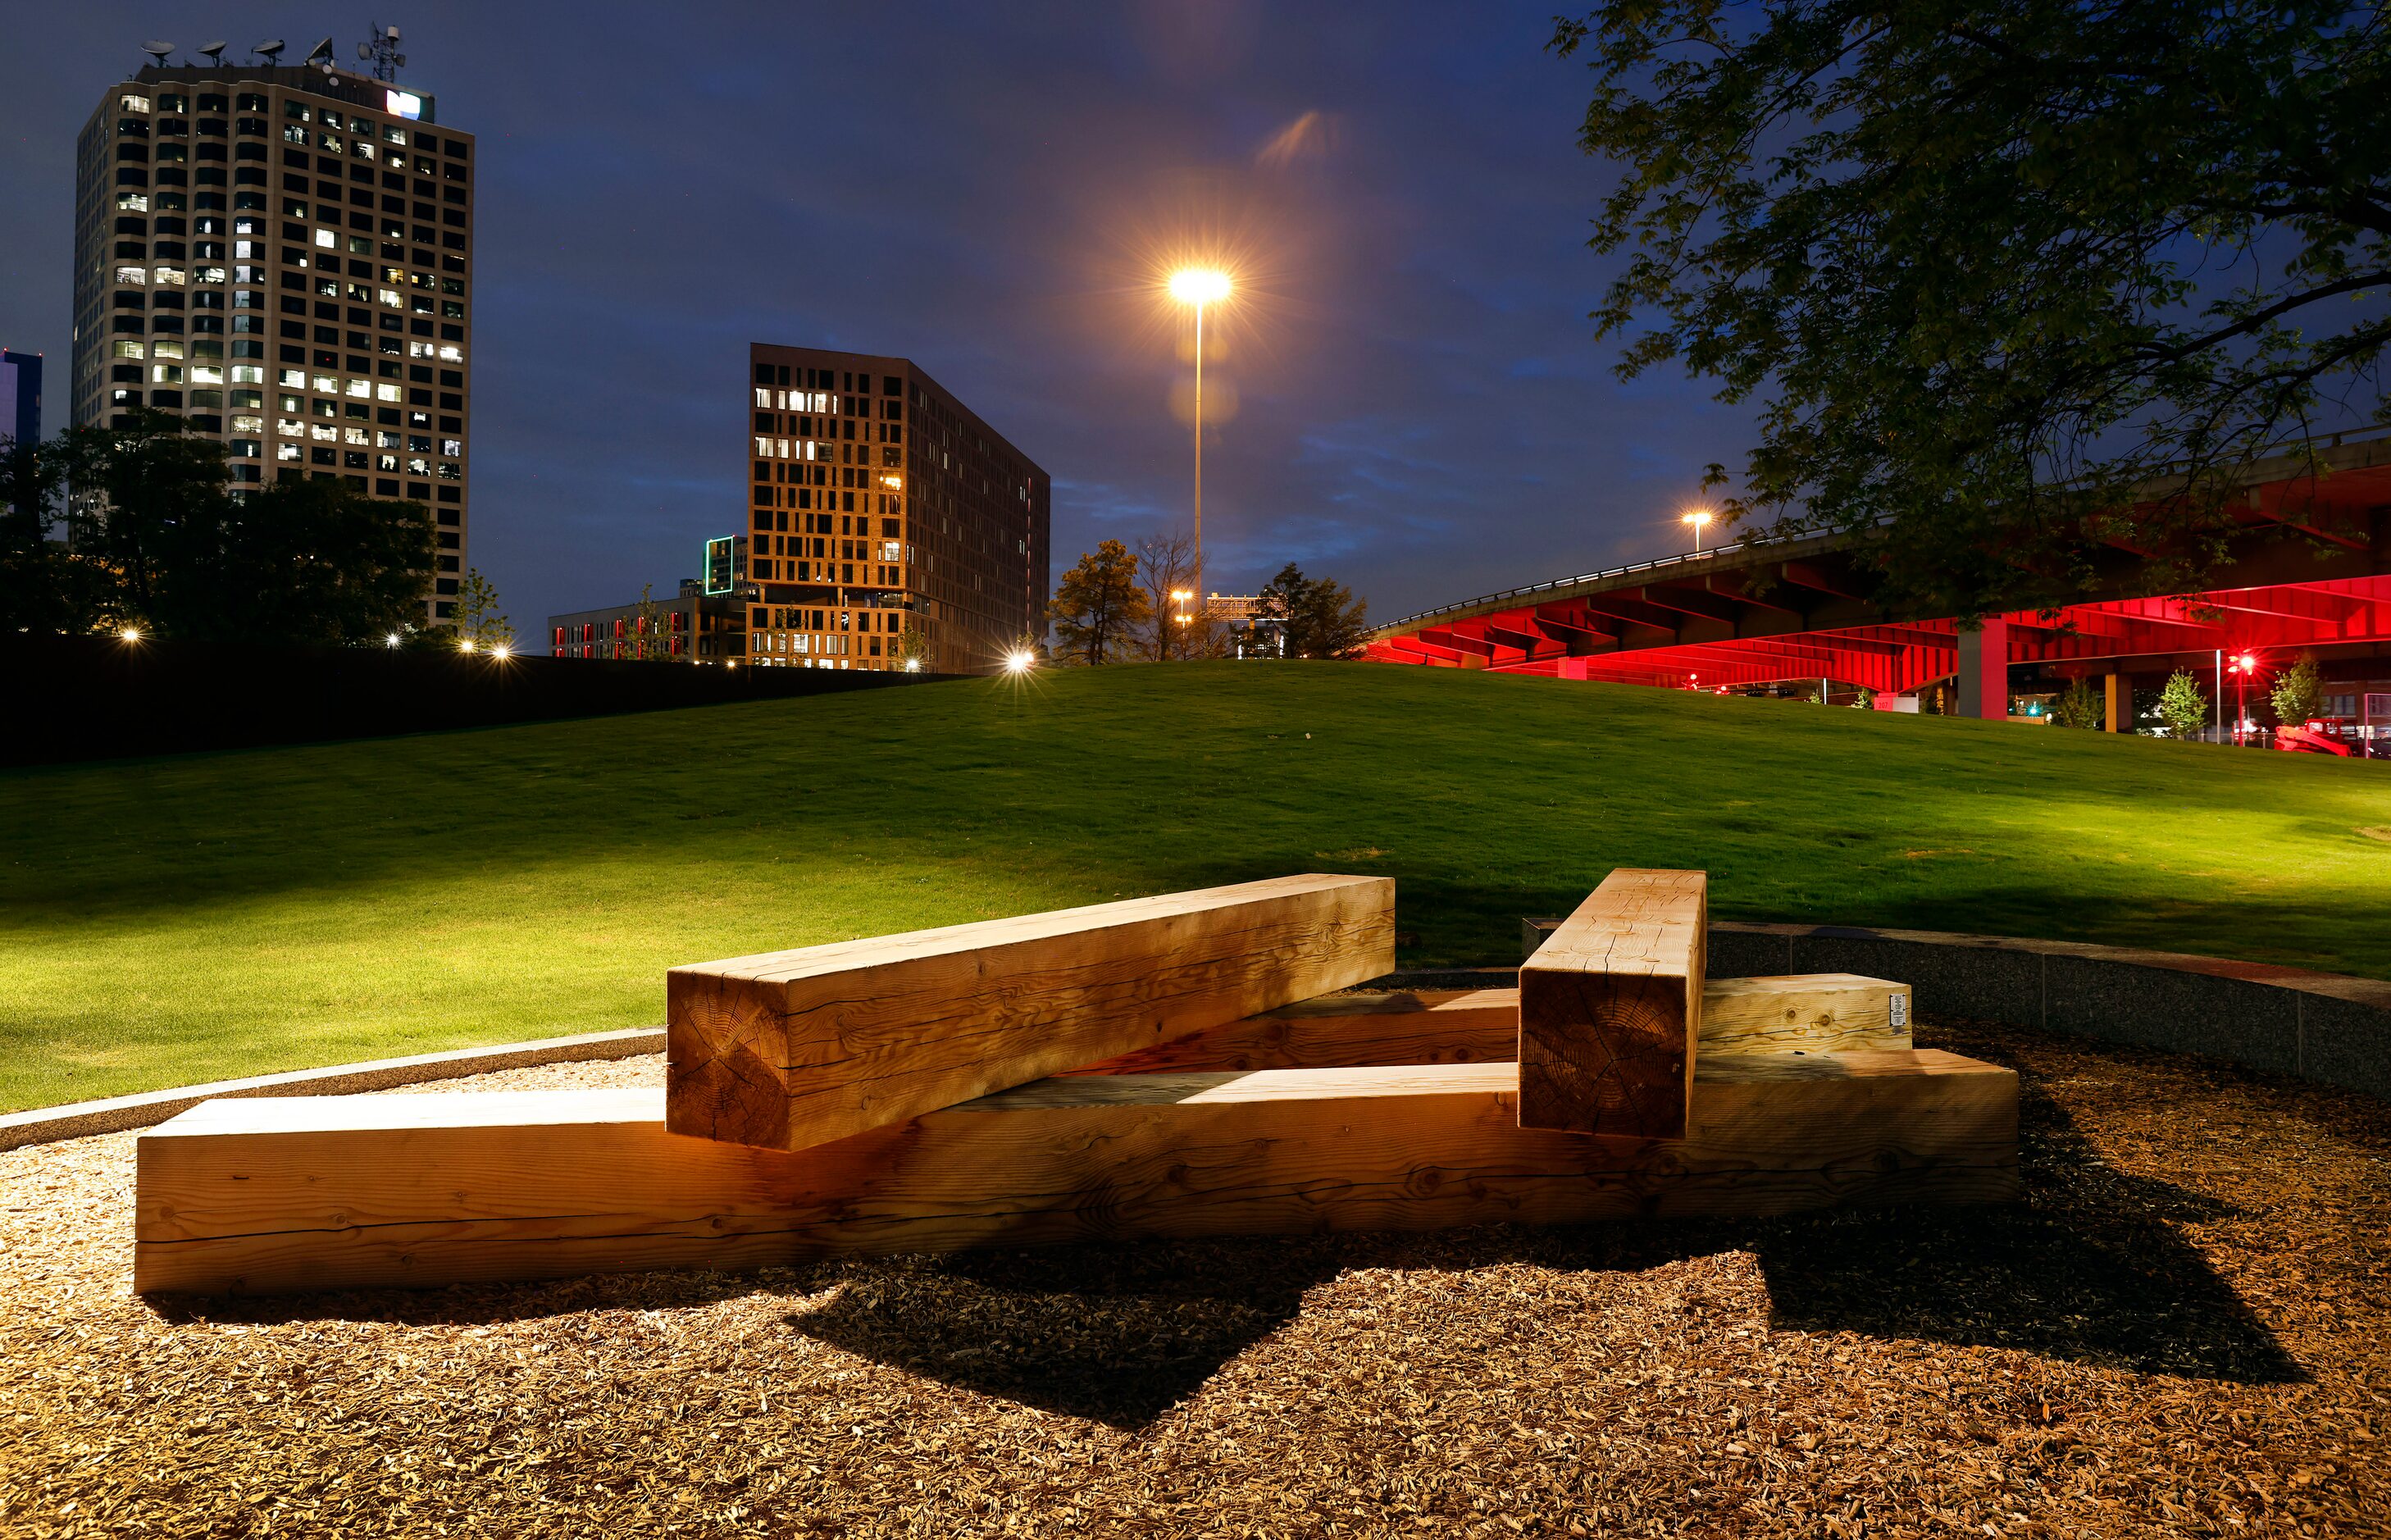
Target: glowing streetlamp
(2241,668)
(1199,287)
(1698,518)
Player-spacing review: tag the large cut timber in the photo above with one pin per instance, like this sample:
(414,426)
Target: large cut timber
(791,1049)
(1611,1007)
(1813,1012)
(305,1192)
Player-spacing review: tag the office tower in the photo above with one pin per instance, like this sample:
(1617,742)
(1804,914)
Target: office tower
(282,257)
(20,396)
(888,523)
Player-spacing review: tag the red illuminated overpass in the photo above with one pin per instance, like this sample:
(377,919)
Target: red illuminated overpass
(2309,573)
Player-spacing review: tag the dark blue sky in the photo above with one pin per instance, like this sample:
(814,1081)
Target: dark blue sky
(1421,408)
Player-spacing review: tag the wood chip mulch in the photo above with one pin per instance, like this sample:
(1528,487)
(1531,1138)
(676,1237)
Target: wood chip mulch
(2185,1330)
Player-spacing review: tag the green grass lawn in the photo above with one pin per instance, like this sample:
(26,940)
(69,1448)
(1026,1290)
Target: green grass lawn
(180,920)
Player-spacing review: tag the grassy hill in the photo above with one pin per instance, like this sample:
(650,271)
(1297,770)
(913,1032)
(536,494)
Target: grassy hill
(179,920)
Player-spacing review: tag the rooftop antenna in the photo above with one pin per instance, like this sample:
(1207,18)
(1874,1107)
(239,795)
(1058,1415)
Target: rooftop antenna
(381,53)
(321,56)
(272,50)
(213,54)
(157,51)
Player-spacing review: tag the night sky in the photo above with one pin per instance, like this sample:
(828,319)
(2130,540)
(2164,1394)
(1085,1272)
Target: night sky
(1420,411)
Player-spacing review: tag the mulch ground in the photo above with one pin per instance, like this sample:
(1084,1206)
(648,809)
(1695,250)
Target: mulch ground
(2184,1330)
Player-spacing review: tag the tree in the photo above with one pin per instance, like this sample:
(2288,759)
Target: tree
(2080,706)
(654,645)
(2183,708)
(1166,565)
(1992,266)
(1098,606)
(156,539)
(2298,691)
(478,620)
(1319,618)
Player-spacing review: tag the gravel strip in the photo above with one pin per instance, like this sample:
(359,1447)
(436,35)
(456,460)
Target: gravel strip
(2182,1331)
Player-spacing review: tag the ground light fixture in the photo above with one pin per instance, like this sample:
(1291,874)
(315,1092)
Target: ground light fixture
(1700,518)
(130,633)
(1199,287)
(913,665)
(465,644)
(1019,661)
(503,652)
(391,640)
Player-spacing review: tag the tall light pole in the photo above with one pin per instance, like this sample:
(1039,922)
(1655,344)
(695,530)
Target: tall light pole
(1698,518)
(1199,287)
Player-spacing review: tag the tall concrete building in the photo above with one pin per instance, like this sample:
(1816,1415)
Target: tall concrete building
(282,256)
(887,522)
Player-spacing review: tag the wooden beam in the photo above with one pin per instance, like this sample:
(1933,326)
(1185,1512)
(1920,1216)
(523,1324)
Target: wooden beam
(288,1194)
(1813,1012)
(1611,1005)
(795,1048)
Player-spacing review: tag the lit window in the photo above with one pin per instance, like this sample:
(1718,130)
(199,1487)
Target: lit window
(249,374)
(166,374)
(353,435)
(294,134)
(295,109)
(169,275)
(133,275)
(249,425)
(323,433)
(763,399)
(293,378)
(131,103)
(133,202)
(365,151)
(392,298)
(763,449)
(418,467)
(330,289)
(288,403)
(360,293)
(385,441)
(452,447)
(451,354)
(128,350)
(360,388)
(386,462)
(291,427)
(245,448)
(207,275)
(450,472)
(326,238)
(207,374)
(324,385)
(385,393)
(332,142)
(288,451)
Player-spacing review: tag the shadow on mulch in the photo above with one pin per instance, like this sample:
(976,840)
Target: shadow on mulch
(2088,1267)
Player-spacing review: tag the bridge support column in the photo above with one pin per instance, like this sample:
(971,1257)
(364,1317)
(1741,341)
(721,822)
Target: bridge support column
(1985,671)
(2120,703)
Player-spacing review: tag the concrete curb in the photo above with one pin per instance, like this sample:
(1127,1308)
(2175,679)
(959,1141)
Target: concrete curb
(2324,1027)
(47,1124)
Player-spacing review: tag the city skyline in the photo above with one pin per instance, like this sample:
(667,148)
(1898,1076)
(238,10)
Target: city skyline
(1407,394)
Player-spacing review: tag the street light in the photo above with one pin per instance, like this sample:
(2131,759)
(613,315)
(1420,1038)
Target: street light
(2242,668)
(1199,287)
(1698,518)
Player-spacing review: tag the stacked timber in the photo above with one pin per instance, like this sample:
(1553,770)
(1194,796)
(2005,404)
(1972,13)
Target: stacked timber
(1166,1068)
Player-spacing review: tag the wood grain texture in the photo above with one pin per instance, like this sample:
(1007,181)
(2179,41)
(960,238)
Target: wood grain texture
(296,1194)
(1611,1006)
(791,1049)
(1817,1013)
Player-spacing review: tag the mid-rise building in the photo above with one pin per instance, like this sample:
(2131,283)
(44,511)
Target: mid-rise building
(887,523)
(692,626)
(283,257)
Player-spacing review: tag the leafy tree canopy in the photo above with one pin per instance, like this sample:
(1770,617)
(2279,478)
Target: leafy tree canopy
(156,539)
(1991,267)
(1098,606)
(1320,616)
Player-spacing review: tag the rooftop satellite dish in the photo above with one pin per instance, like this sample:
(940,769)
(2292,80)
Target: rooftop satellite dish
(365,50)
(321,52)
(271,48)
(158,51)
(213,53)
